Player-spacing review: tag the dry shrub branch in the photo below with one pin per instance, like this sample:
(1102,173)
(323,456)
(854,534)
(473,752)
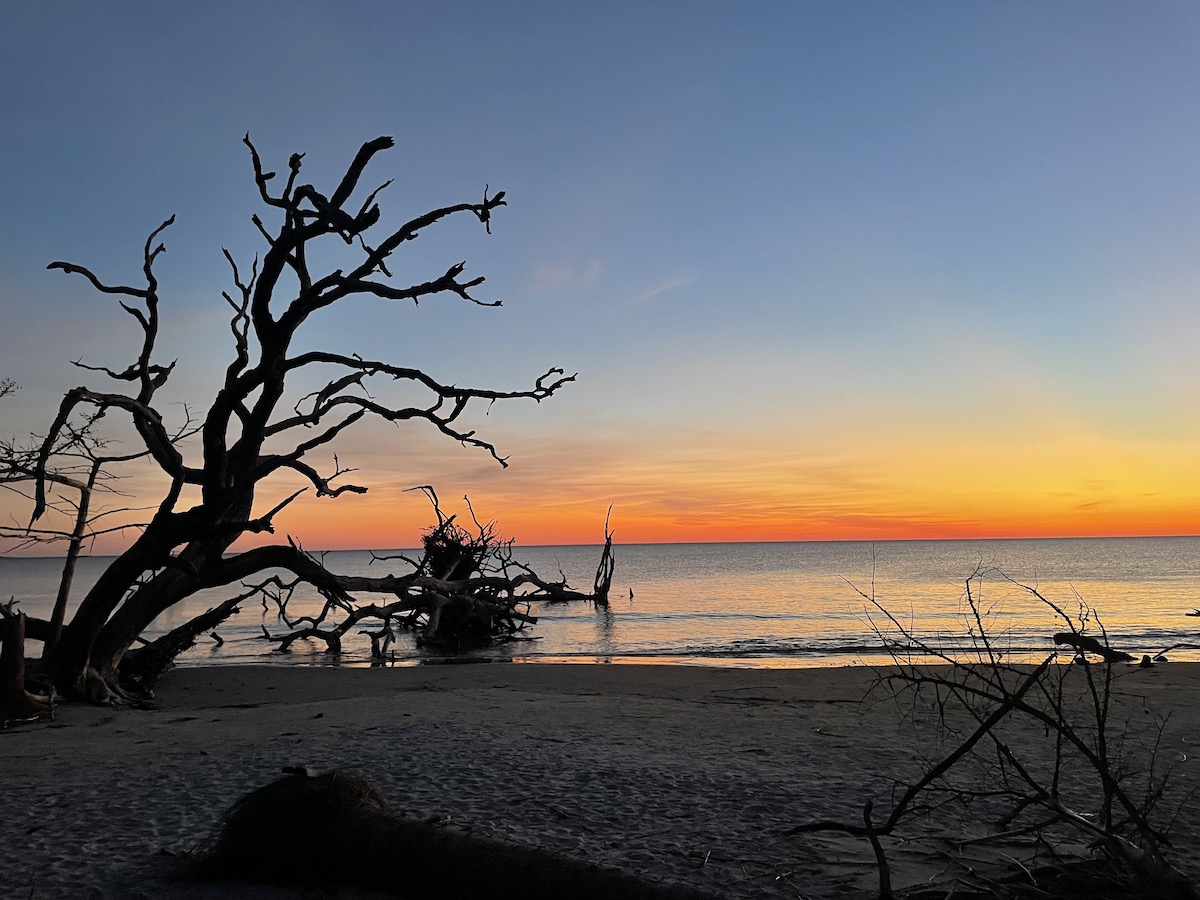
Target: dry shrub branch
(1048,778)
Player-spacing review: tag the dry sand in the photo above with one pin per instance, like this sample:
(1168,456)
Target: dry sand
(688,774)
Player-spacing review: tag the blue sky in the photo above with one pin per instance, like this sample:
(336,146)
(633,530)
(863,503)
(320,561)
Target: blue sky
(825,269)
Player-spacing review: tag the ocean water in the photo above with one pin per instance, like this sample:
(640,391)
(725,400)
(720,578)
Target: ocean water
(764,604)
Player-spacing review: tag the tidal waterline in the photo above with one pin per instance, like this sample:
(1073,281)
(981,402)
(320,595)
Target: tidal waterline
(758,604)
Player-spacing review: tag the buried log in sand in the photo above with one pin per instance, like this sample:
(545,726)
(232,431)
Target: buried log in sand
(278,833)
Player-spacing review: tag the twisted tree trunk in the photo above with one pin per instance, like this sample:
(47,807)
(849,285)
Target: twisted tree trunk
(251,432)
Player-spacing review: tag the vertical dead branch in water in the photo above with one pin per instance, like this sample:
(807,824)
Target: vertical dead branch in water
(608,565)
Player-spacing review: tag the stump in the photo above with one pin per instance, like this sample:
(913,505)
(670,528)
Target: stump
(16,703)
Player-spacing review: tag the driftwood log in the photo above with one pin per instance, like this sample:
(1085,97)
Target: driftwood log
(1085,644)
(273,833)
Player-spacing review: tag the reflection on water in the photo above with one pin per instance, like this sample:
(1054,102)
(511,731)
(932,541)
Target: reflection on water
(763,604)
(606,642)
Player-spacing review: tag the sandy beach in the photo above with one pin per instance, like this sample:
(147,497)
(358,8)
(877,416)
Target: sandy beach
(677,773)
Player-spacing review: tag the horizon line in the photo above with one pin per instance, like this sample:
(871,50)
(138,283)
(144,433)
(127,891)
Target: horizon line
(1103,537)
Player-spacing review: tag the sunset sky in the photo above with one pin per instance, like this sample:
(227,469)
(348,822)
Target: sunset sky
(826,270)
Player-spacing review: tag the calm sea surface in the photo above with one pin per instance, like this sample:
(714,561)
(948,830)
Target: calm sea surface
(776,604)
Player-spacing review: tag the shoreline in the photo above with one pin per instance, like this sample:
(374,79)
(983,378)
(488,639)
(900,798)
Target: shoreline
(680,773)
(849,659)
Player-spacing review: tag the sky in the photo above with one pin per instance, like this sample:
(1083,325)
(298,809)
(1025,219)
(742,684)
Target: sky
(848,271)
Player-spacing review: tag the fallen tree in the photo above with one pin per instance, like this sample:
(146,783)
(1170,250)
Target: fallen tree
(254,429)
(484,596)
(465,590)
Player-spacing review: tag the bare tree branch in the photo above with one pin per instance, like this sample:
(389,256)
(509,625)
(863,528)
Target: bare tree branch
(182,550)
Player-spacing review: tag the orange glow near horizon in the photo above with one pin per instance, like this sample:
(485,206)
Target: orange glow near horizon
(1069,488)
(707,485)
(638,524)
(356,523)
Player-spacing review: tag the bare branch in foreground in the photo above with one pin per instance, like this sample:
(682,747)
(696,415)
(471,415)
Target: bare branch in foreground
(1034,749)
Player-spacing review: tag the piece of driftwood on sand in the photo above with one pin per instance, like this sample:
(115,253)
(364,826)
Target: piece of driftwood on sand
(274,834)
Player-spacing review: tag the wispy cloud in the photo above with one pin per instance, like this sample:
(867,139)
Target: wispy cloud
(672,284)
